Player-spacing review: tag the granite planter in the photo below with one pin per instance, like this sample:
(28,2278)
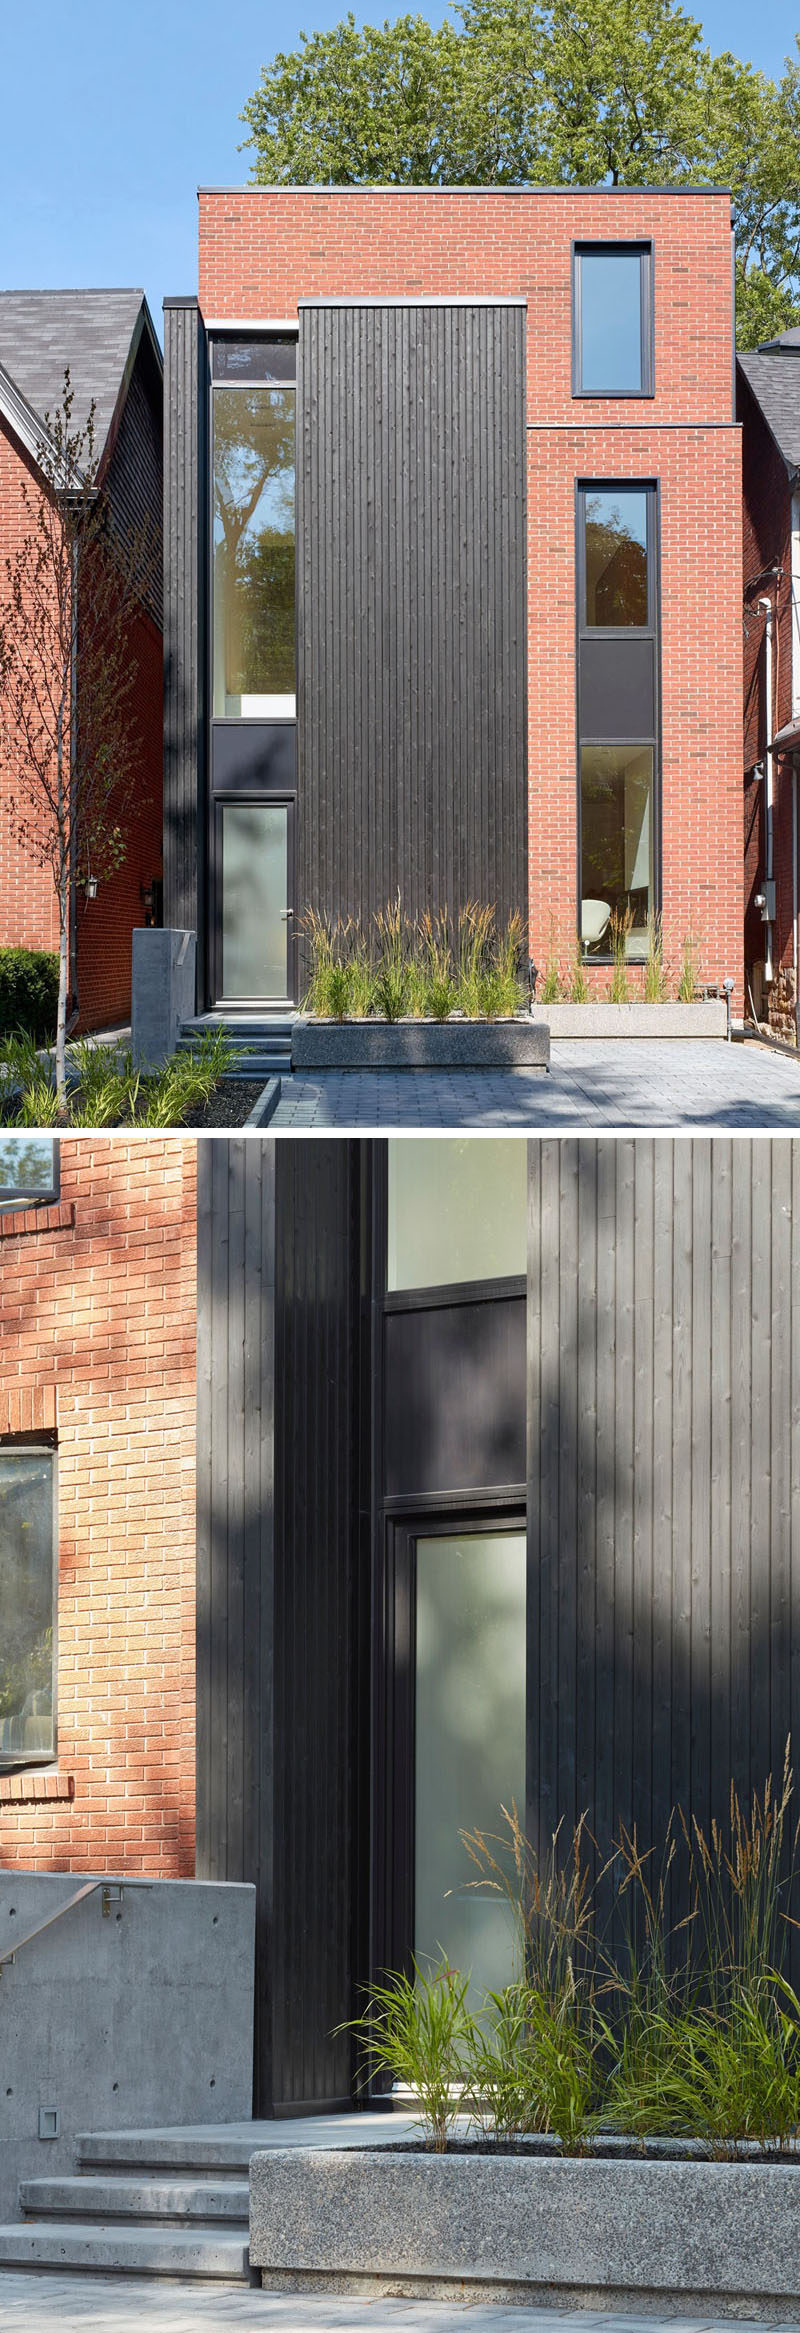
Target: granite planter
(723,2238)
(600,1019)
(519,1044)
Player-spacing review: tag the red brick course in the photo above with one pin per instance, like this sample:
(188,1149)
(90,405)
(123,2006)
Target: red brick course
(97,1336)
(263,249)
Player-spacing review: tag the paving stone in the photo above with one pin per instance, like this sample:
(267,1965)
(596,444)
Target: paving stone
(626,1085)
(106,2304)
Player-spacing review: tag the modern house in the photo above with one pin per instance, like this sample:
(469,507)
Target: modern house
(452,486)
(769,408)
(106,341)
(365,1487)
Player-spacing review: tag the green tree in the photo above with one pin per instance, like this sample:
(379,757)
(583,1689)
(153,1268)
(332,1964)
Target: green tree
(538,92)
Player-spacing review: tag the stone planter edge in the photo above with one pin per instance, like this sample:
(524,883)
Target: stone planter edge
(603,1020)
(522,1043)
(594,2231)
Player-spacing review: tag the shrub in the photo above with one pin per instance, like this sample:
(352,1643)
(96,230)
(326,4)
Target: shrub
(28,993)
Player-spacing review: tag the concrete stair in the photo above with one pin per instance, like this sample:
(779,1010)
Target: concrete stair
(263,1040)
(169,2216)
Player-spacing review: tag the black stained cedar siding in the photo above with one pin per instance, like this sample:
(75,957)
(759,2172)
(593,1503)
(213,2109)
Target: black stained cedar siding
(282,1590)
(321,1625)
(663,1477)
(185,595)
(235,1538)
(411,608)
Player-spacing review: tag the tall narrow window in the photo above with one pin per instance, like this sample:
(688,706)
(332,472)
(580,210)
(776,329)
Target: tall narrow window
(27,1605)
(254,530)
(612,320)
(618,640)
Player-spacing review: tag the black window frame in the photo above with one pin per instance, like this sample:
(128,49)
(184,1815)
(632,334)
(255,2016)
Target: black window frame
(612,250)
(14,1201)
(39,1444)
(608,632)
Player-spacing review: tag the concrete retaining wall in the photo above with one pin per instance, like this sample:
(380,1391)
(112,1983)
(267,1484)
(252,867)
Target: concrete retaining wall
(596,2233)
(138,2013)
(519,1044)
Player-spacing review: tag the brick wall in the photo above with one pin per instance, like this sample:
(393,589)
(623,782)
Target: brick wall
(766,542)
(97,1338)
(28,910)
(263,248)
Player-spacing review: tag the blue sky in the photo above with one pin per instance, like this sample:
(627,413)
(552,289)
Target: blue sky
(112,117)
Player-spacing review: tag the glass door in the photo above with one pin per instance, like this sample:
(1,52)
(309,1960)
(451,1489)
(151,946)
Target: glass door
(255,851)
(456,1750)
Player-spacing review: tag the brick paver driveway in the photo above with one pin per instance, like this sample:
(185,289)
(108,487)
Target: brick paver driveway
(590,1086)
(107,2304)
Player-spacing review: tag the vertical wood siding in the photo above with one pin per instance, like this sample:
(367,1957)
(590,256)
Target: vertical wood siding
(235,1538)
(664,1476)
(411,608)
(282,1589)
(321,1624)
(185,554)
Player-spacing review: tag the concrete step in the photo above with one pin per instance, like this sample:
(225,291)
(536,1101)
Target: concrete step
(108,2247)
(142,2198)
(224,2152)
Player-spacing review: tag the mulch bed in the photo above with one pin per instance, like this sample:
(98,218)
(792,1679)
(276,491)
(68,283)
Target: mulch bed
(230,1105)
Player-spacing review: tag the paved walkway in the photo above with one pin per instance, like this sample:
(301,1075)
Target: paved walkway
(627,1083)
(110,2304)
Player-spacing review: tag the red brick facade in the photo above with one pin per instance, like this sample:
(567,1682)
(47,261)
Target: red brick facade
(97,1340)
(28,907)
(262,249)
(767,543)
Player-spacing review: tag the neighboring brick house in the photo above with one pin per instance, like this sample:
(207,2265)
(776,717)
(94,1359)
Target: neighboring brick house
(453,572)
(497,1493)
(97,1381)
(107,342)
(769,409)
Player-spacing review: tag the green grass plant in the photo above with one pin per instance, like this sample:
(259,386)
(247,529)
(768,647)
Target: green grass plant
(655,978)
(417,2030)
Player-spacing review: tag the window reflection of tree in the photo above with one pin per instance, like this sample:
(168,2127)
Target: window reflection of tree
(254,482)
(616,565)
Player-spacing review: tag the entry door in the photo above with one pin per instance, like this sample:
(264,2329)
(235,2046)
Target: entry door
(255,886)
(457,1756)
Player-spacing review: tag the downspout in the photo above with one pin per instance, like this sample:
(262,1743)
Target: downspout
(769,861)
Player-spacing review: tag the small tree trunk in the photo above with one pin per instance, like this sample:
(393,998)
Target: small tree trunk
(63,979)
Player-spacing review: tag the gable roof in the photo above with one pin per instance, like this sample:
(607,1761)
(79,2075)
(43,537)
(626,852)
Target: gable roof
(95,333)
(773,374)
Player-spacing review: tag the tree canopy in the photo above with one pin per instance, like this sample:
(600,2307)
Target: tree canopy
(547,92)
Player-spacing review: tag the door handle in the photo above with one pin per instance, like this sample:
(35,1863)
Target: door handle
(286,914)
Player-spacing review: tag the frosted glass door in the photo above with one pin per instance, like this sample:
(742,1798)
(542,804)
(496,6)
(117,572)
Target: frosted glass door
(469,1740)
(255,882)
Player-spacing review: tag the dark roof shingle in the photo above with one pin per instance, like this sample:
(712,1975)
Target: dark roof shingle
(773,373)
(90,332)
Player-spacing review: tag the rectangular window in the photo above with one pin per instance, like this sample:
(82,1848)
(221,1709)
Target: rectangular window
(615,557)
(254,551)
(616,846)
(457,1212)
(27,1604)
(612,336)
(28,1169)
